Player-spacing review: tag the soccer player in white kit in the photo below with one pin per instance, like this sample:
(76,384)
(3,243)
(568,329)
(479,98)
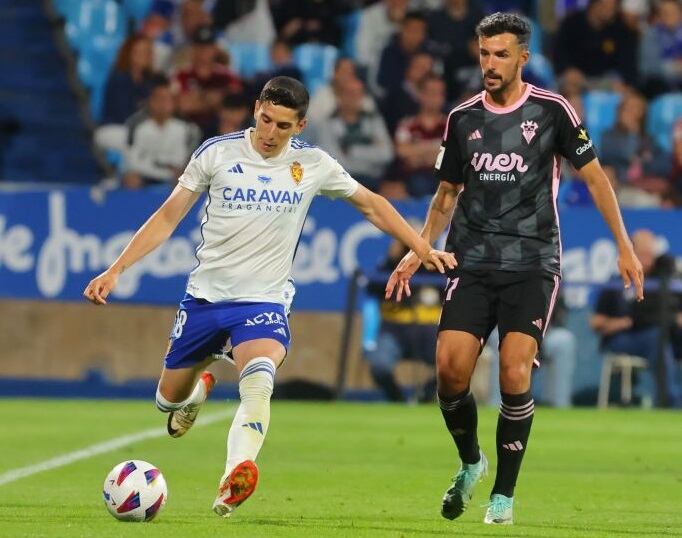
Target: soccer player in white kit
(260,183)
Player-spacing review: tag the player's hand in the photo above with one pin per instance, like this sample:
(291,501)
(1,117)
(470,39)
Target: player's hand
(399,281)
(631,271)
(100,286)
(438,260)
(400,277)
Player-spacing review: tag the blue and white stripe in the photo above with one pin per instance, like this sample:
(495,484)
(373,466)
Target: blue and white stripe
(164,408)
(204,221)
(297,143)
(237,135)
(253,367)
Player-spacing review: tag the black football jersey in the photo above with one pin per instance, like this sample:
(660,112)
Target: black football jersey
(508,160)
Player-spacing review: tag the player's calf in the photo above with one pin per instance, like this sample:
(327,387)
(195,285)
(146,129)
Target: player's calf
(183,415)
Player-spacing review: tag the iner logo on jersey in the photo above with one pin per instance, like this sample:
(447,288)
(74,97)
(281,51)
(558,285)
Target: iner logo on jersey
(504,163)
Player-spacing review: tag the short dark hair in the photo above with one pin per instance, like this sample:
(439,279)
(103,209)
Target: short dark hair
(287,92)
(415,16)
(158,80)
(502,23)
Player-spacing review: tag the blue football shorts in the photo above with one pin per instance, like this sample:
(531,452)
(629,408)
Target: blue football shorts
(202,328)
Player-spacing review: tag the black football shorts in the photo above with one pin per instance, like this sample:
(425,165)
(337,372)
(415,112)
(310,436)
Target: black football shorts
(476,300)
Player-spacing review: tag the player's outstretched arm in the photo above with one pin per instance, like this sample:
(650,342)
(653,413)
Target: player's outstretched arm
(151,234)
(605,199)
(383,215)
(437,218)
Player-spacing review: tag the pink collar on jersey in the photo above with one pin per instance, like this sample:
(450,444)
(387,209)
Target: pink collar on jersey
(510,108)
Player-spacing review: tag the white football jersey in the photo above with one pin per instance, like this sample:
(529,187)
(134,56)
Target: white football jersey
(254,214)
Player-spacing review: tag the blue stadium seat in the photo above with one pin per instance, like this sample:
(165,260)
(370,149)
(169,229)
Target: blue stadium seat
(247,59)
(536,38)
(371,321)
(316,62)
(94,65)
(68,9)
(542,69)
(137,9)
(349,26)
(664,111)
(601,109)
(95,18)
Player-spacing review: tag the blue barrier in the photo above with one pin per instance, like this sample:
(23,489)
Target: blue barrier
(52,242)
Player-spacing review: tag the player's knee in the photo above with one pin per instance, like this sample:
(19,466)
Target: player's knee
(515,377)
(451,376)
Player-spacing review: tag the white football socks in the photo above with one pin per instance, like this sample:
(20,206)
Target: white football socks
(198,395)
(250,423)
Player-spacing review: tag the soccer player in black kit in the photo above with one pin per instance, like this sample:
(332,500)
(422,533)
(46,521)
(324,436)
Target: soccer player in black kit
(499,165)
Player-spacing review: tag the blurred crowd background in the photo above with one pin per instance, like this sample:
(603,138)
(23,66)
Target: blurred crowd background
(118,94)
(138,84)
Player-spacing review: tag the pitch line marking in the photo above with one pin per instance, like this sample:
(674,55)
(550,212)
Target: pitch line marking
(99,448)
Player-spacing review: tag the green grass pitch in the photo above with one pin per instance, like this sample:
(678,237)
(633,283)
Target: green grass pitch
(346,470)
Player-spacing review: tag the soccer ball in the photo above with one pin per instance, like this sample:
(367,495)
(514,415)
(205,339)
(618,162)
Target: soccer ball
(135,490)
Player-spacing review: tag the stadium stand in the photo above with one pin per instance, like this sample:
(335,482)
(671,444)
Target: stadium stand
(664,111)
(51,143)
(54,72)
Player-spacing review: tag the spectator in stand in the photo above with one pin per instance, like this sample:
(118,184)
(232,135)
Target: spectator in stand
(661,51)
(282,65)
(129,83)
(324,101)
(396,56)
(418,139)
(635,12)
(159,145)
(171,26)
(357,138)
(203,85)
(452,40)
(245,20)
(234,114)
(192,18)
(676,194)
(636,166)
(408,330)
(157,28)
(377,25)
(126,92)
(597,42)
(635,328)
(572,84)
(306,21)
(402,99)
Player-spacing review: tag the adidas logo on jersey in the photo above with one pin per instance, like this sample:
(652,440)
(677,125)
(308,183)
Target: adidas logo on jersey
(538,323)
(476,135)
(236,169)
(281,331)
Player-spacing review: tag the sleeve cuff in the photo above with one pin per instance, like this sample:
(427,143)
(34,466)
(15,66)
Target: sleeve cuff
(189,184)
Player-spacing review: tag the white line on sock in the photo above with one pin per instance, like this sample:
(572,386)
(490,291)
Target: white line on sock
(100,448)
